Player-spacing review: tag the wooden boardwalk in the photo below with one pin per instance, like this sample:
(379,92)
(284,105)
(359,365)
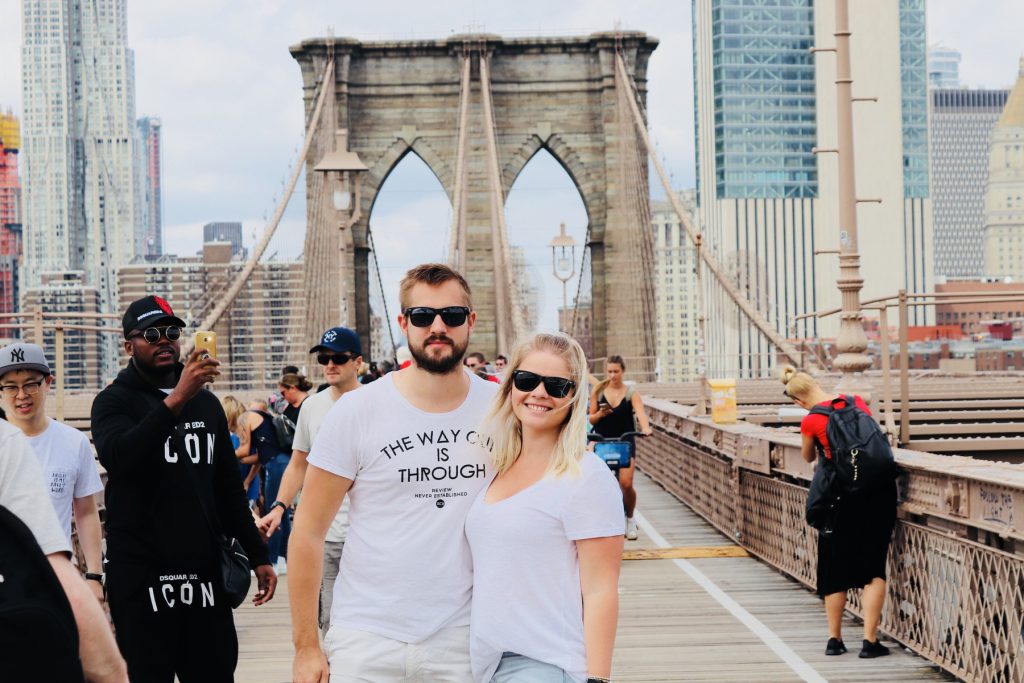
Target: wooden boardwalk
(671,626)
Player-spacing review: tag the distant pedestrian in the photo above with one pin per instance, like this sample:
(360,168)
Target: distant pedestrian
(64,453)
(476,362)
(258,432)
(248,459)
(853,553)
(339,353)
(546,535)
(294,388)
(173,491)
(500,362)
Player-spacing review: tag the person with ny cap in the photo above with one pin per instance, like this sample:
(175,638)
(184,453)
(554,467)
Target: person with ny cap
(339,353)
(173,488)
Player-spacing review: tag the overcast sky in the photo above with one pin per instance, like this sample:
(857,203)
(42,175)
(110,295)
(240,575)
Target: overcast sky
(219,75)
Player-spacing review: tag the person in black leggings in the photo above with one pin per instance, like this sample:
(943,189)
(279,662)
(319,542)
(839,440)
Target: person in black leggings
(615,408)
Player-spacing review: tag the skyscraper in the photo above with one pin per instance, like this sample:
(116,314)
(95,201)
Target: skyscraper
(960,127)
(766,202)
(675,291)
(943,68)
(10,223)
(78,91)
(150,237)
(226,231)
(1004,191)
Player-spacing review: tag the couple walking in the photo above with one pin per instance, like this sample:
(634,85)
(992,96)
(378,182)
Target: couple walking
(484,541)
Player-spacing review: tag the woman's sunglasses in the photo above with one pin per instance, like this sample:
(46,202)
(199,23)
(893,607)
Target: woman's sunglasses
(557,387)
(423,316)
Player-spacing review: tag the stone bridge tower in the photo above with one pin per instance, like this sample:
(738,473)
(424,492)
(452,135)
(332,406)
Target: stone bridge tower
(559,94)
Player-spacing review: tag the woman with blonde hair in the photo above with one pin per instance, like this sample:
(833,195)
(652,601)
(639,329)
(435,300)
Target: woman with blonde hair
(852,554)
(546,533)
(248,462)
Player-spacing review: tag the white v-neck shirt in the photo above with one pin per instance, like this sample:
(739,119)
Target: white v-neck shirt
(405,573)
(526,571)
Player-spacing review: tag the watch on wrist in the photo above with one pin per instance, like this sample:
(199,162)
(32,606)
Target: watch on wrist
(92,576)
(279,504)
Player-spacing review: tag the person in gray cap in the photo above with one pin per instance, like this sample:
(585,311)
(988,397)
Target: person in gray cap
(340,354)
(69,467)
(173,493)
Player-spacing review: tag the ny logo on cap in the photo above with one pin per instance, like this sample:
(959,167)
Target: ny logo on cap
(17,355)
(329,336)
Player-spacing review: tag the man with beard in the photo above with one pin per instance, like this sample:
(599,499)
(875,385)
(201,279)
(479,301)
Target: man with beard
(340,354)
(172,478)
(406,451)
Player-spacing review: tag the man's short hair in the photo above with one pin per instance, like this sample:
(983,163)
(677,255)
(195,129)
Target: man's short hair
(478,356)
(433,274)
(501,357)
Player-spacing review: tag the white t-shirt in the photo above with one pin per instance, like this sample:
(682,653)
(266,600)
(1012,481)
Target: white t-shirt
(21,489)
(311,417)
(405,573)
(69,468)
(526,572)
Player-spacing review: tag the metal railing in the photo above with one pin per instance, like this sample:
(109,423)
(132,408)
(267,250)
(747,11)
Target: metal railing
(956,562)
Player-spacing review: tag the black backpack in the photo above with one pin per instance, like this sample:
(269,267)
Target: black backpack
(861,456)
(280,442)
(36,622)
(285,429)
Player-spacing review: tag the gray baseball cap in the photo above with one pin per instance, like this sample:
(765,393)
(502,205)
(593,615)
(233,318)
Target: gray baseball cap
(23,357)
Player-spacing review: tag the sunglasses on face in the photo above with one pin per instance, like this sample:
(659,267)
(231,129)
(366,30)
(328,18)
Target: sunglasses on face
(153,334)
(557,387)
(423,316)
(338,359)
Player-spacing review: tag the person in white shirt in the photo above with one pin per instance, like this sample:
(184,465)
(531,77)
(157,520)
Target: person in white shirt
(69,467)
(407,451)
(21,486)
(546,535)
(340,354)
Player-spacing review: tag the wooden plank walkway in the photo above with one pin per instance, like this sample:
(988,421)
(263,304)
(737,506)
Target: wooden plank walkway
(670,627)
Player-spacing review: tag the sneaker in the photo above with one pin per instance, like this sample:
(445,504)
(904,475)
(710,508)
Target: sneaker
(872,650)
(631,531)
(835,646)
(281,566)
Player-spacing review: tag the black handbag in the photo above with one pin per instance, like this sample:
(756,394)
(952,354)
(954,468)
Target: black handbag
(823,498)
(234,563)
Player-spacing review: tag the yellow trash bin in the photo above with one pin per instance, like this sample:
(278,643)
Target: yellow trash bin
(723,400)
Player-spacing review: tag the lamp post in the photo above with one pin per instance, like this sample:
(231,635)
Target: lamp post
(343,175)
(563,263)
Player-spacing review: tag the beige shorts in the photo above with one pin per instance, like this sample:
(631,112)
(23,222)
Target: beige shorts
(362,657)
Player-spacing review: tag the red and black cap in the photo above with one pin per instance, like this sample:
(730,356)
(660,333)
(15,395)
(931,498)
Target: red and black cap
(149,311)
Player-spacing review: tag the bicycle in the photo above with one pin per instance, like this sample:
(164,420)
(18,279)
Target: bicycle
(616,452)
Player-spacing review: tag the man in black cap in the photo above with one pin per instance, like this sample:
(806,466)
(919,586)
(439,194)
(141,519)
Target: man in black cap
(173,489)
(340,354)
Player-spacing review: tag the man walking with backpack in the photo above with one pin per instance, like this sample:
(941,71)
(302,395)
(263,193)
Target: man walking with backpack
(407,452)
(855,479)
(173,494)
(340,354)
(64,453)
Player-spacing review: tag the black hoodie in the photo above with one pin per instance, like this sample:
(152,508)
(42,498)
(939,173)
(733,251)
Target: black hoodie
(154,520)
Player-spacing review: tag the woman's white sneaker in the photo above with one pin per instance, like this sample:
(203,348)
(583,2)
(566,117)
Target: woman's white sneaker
(631,531)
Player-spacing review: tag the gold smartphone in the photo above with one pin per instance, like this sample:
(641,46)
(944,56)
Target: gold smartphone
(207,343)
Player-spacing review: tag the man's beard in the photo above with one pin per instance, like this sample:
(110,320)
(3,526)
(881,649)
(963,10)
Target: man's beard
(438,366)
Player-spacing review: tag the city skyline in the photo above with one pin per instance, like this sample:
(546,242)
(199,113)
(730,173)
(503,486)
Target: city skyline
(192,56)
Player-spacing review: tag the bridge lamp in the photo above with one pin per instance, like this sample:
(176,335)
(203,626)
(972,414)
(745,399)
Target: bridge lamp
(563,261)
(343,177)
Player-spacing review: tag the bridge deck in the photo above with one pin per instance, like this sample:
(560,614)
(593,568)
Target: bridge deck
(672,627)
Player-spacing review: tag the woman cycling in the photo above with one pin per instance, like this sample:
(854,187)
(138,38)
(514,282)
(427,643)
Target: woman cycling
(615,408)
(546,533)
(852,555)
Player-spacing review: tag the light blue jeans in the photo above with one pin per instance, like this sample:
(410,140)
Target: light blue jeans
(519,669)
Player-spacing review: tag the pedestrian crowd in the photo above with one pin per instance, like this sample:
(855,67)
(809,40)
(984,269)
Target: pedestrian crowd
(441,518)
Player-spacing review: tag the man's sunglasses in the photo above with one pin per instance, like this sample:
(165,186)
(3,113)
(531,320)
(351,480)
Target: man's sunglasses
(339,359)
(557,387)
(153,334)
(423,316)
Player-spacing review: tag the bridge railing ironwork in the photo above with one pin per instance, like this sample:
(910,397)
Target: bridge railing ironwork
(956,563)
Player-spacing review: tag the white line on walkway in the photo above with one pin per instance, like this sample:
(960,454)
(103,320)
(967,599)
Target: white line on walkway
(792,659)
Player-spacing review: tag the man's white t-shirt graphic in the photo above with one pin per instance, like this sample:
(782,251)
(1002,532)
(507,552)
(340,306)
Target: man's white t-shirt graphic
(406,571)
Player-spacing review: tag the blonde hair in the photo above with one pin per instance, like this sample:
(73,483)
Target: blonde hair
(798,383)
(233,409)
(507,431)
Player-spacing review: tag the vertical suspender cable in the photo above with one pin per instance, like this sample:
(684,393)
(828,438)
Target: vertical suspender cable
(457,246)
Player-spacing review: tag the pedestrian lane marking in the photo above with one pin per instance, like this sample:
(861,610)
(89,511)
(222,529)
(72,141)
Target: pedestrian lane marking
(689,552)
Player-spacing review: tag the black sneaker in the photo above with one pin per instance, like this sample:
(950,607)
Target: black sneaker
(835,647)
(872,650)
